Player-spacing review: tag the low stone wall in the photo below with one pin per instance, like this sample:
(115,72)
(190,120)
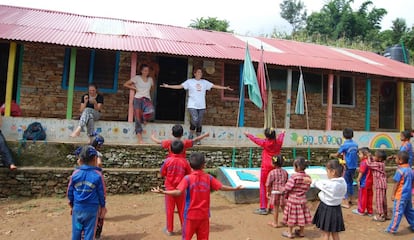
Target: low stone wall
(40,182)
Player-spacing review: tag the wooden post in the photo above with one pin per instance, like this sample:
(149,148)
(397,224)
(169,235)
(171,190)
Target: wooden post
(132,92)
(71,85)
(329,102)
(10,77)
(368,105)
(288,98)
(401,105)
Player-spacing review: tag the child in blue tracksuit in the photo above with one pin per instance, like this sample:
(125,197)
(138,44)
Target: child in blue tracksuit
(86,193)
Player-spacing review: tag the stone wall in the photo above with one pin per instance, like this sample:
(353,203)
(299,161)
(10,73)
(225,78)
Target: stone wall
(42,76)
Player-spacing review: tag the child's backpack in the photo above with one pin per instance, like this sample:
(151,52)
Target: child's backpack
(34,132)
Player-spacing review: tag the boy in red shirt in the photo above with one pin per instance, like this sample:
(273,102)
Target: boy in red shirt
(197,185)
(174,168)
(177,132)
(365,182)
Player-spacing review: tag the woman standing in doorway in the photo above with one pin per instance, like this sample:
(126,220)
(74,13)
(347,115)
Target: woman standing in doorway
(196,105)
(143,108)
(90,108)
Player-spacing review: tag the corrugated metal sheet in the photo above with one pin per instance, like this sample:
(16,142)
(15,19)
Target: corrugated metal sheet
(33,25)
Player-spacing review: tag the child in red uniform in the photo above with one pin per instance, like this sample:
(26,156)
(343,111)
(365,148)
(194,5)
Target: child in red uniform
(271,147)
(198,185)
(364,181)
(177,132)
(275,184)
(174,168)
(380,183)
(296,212)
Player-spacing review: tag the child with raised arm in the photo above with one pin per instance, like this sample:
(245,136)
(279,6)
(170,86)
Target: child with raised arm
(275,184)
(271,147)
(348,151)
(197,186)
(401,194)
(296,213)
(177,132)
(86,193)
(380,184)
(174,168)
(328,217)
(365,182)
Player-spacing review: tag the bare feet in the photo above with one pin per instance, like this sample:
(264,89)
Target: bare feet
(76,132)
(139,137)
(12,167)
(272,224)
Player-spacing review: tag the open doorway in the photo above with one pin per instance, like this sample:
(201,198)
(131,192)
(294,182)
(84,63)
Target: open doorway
(388,105)
(170,105)
(4,62)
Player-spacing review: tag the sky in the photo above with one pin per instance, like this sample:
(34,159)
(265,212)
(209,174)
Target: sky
(256,17)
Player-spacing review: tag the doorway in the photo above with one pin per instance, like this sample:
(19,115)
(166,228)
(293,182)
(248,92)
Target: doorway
(170,105)
(388,105)
(4,62)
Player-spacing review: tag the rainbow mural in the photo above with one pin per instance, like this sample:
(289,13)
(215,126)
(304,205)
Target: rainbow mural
(382,141)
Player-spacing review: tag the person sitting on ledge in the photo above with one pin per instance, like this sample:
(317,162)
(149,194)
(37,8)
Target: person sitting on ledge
(90,107)
(6,156)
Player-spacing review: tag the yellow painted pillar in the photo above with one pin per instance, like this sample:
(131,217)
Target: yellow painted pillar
(401,105)
(10,77)
(132,92)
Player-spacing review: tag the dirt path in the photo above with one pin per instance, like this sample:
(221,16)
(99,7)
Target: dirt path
(132,217)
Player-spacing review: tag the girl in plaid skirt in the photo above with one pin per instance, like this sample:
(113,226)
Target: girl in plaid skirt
(275,185)
(296,213)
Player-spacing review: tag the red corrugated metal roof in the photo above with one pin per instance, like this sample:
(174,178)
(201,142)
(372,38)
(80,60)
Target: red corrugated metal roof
(33,25)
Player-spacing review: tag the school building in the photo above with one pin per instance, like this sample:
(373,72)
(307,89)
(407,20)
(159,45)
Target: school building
(47,59)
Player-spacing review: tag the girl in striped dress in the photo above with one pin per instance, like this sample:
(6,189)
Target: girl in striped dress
(296,212)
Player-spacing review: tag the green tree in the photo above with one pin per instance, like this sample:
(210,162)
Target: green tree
(210,23)
(294,11)
(399,28)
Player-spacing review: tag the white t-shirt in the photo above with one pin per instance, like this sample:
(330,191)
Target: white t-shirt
(197,92)
(332,190)
(143,88)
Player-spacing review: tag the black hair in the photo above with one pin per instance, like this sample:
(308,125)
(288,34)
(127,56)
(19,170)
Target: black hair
(407,134)
(300,163)
(364,150)
(87,154)
(196,69)
(197,160)
(348,133)
(177,146)
(177,130)
(403,156)
(381,154)
(270,133)
(334,164)
(278,160)
(143,66)
(97,141)
(93,85)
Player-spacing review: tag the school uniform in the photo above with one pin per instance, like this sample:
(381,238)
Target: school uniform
(380,185)
(408,147)
(402,198)
(277,179)
(197,185)
(296,213)
(328,217)
(350,151)
(271,147)
(365,194)
(166,144)
(86,193)
(174,169)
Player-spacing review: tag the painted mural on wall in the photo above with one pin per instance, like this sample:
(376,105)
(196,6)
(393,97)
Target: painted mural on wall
(58,130)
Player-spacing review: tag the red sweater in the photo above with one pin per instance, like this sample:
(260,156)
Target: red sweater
(271,147)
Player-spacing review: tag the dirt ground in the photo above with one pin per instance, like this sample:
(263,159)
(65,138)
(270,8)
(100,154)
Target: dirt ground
(141,216)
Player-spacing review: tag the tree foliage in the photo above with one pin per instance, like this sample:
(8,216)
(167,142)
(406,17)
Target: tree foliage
(210,23)
(294,11)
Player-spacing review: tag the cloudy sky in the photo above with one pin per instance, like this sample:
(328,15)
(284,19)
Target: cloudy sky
(245,17)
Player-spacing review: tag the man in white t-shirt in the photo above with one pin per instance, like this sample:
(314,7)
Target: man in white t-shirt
(196,105)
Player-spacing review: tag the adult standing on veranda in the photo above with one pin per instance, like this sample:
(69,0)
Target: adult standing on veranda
(196,105)
(143,108)
(90,108)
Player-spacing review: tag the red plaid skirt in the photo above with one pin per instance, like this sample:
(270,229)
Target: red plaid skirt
(296,215)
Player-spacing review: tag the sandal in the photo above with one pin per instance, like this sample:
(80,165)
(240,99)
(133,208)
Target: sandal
(287,235)
(297,233)
(378,219)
